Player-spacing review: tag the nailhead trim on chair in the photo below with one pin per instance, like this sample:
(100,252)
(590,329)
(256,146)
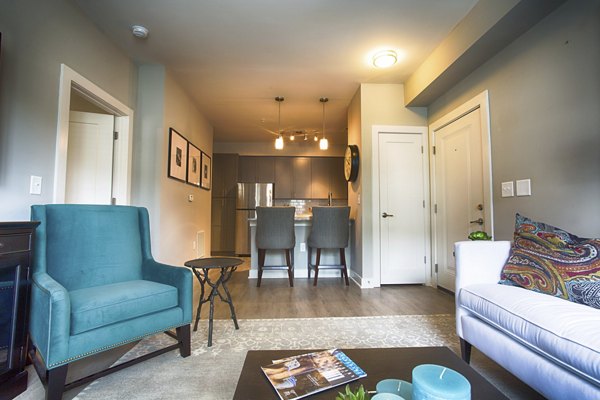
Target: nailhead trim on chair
(68,360)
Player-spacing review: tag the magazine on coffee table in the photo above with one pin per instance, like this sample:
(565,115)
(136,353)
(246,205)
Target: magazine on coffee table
(302,375)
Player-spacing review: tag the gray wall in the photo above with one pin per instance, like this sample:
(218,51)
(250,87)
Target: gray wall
(544,93)
(37,36)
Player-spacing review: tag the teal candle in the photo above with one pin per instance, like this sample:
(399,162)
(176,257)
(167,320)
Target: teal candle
(435,382)
(386,396)
(395,386)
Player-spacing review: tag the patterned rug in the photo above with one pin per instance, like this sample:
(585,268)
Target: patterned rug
(212,372)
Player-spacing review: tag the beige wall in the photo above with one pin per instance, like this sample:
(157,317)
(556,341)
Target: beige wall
(380,104)
(544,92)
(37,36)
(354,137)
(175,221)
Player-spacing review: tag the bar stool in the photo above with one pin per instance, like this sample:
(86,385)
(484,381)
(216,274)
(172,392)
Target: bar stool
(329,231)
(275,231)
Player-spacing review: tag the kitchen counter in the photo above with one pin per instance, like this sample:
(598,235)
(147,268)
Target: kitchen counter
(302,225)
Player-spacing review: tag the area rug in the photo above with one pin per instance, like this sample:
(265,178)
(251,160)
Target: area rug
(212,372)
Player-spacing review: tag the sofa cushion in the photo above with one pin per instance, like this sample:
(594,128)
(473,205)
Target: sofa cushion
(560,330)
(99,306)
(550,260)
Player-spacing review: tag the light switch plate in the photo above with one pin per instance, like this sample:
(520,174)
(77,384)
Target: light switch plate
(508,189)
(524,187)
(35,185)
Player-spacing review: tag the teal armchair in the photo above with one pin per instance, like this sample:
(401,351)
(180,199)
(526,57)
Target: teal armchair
(95,286)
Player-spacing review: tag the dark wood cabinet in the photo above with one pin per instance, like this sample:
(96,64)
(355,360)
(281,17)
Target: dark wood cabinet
(247,169)
(320,177)
(224,192)
(265,170)
(302,178)
(16,241)
(337,181)
(284,178)
(225,175)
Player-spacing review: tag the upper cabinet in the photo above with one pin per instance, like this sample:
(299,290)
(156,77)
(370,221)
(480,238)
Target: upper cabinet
(284,178)
(301,167)
(328,177)
(224,181)
(252,169)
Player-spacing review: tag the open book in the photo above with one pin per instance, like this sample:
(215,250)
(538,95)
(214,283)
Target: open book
(299,376)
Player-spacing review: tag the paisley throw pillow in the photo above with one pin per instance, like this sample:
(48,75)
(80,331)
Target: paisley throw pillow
(551,260)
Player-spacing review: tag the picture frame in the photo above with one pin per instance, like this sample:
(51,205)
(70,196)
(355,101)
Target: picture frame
(193,165)
(178,156)
(206,172)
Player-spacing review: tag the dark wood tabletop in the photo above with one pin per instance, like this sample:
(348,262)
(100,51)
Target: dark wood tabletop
(379,364)
(214,262)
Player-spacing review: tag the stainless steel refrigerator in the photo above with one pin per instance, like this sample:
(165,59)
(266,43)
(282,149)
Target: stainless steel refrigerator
(249,196)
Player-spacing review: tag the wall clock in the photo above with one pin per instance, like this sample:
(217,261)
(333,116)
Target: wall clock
(351,161)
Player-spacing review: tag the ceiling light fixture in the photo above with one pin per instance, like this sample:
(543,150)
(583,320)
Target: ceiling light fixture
(140,31)
(279,140)
(323,143)
(385,58)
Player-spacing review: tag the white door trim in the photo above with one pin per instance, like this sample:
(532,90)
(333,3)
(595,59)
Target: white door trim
(123,121)
(375,234)
(480,101)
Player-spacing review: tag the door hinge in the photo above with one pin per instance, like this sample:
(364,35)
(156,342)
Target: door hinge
(436,268)
(435,209)
(113,201)
(434,150)
(423,203)
(425,259)
(421,149)
(115,135)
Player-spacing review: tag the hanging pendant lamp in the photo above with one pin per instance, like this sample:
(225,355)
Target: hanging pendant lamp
(323,143)
(279,140)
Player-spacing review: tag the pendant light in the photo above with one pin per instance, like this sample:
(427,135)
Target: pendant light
(279,140)
(323,143)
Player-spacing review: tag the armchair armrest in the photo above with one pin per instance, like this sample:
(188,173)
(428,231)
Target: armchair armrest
(50,318)
(479,262)
(179,277)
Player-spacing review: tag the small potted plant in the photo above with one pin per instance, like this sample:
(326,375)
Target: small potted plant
(479,235)
(359,394)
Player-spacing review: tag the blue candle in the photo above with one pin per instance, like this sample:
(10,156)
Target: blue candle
(395,386)
(434,382)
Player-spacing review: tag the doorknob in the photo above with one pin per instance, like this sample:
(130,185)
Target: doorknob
(480,207)
(385,215)
(477,221)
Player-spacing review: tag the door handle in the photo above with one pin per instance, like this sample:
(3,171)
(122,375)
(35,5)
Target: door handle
(477,221)
(385,215)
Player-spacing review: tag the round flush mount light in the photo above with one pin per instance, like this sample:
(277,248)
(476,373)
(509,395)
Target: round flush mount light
(384,58)
(140,31)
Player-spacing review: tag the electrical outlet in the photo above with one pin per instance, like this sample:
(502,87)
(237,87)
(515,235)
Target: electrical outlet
(35,185)
(302,247)
(190,197)
(508,189)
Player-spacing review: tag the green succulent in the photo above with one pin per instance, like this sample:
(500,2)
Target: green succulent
(479,235)
(359,394)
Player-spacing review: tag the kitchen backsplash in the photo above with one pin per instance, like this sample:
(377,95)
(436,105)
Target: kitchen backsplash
(305,206)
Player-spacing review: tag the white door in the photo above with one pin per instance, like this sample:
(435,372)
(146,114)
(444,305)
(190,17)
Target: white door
(459,190)
(89,158)
(403,233)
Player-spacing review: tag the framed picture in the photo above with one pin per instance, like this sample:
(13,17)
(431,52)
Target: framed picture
(193,165)
(206,172)
(178,149)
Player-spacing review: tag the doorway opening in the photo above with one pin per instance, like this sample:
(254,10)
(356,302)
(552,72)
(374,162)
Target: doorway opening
(73,174)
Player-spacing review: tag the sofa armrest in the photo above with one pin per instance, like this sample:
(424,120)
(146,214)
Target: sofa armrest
(179,277)
(479,261)
(49,318)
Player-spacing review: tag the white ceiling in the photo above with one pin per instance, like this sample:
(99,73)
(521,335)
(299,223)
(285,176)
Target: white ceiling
(234,56)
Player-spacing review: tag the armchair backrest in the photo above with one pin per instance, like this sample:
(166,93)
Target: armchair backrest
(90,245)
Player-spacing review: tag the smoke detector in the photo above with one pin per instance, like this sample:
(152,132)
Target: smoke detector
(139,31)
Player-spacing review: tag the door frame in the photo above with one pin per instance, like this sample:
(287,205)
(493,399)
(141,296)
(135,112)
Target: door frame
(69,79)
(480,101)
(376,211)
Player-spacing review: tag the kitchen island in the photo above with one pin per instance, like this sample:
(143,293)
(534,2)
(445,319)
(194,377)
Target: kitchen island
(302,225)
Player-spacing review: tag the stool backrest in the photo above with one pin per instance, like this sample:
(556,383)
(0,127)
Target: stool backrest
(329,227)
(275,227)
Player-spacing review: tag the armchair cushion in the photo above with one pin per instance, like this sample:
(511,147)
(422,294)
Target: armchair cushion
(99,306)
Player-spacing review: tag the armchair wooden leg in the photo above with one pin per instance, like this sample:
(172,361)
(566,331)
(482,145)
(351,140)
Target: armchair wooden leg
(56,379)
(317,262)
(290,268)
(183,336)
(465,350)
(345,269)
(261,263)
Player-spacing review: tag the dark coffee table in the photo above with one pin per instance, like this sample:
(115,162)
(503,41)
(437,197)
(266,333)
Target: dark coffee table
(377,363)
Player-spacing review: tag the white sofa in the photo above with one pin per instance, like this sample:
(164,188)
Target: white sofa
(549,343)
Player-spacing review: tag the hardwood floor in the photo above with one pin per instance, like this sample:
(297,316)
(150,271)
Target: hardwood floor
(331,298)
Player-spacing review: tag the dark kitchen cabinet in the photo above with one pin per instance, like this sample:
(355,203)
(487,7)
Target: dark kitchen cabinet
(320,177)
(247,168)
(284,178)
(265,169)
(337,181)
(302,178)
